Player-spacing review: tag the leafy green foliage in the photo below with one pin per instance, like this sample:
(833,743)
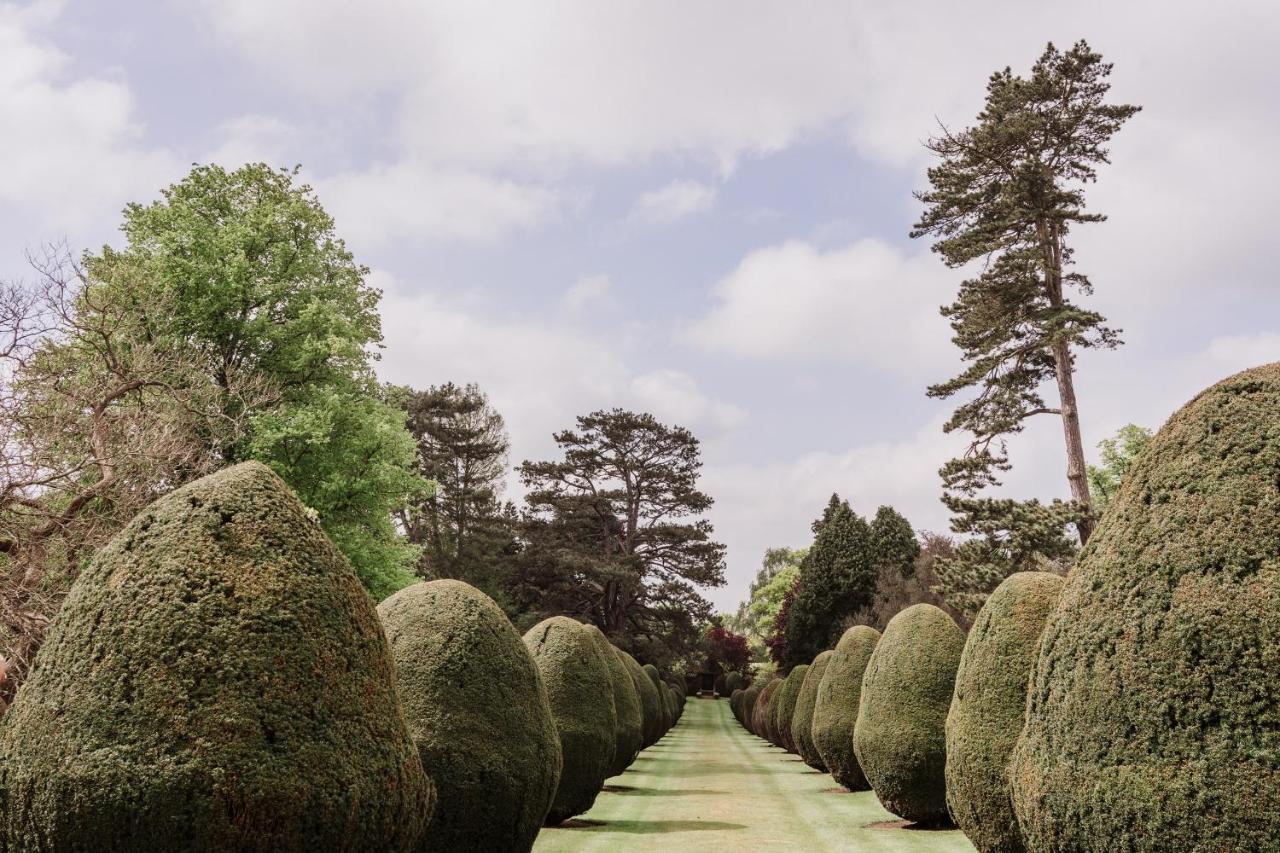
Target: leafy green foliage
(1117,456)
(758,613)
(257,282)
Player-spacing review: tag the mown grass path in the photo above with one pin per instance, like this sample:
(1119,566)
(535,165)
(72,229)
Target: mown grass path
(710,786)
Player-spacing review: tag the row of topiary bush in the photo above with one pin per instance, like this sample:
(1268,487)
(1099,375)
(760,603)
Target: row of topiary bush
(218,680)
(1132,706)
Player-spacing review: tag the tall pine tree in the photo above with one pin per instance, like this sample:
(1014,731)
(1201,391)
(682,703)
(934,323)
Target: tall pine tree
(1008,192)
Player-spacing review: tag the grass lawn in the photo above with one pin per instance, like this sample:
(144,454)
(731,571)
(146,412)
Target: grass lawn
(710,786)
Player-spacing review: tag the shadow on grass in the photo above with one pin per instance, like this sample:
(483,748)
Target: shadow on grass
(649,827)
(627,790)
(911,827)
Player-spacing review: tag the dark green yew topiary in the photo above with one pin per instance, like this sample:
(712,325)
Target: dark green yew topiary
(735,703)
(802,717)
(988,706)
(626,704)
(749,698)
(835,710)
(478,711)
(733,681)
(673,710)
(578,686)
(786,706)
(217,680)
(1153,714)
(650,711)
(900,736)
(664,709)
(763,719)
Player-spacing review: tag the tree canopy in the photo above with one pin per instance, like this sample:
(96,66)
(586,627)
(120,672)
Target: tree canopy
(615,533)
(256,283)
(464,529)
(1008,191)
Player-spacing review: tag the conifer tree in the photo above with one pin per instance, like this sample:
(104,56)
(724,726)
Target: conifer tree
(1007,192)
(837,577)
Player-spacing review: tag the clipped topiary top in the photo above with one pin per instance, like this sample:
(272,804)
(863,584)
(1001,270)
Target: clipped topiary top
(220,651)
(1157,667)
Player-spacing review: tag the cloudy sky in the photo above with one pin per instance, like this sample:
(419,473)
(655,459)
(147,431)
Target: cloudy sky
(698,209)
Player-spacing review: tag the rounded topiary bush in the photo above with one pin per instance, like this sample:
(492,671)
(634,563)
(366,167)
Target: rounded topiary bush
(786,706)
(1153,714)
(578,687)
(802,717)
(650,711)
(900,735)
(988,706)
(749,698)
(733,681)
(763,712)
(835,709)
(735,703)
(216,680)
(479,714)
(626,704)
(672,706)
(664,707)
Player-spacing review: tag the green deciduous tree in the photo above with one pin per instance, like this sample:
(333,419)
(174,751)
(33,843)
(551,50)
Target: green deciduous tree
(1117,454)
(256,282)
(1007,192)
(615,533)
(756,615)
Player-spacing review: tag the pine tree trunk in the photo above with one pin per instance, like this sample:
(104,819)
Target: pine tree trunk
(1071,431)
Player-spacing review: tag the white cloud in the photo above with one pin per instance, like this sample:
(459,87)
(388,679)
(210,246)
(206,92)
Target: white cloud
(759,506)
(674,397)
(411,200)
(587,291)
(538,374)
(868,303)
(257,138)
(1239,352)
(673,202)
(71,146)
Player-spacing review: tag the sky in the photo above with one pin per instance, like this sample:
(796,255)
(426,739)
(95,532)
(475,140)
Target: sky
(699,209)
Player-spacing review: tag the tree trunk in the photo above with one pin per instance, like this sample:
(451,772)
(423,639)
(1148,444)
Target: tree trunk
(1071,431)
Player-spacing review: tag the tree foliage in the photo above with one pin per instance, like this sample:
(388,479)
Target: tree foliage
(727,651)
(1117,455)
(614,533)
(837,576)
(757,615)
(464,529)
(1008,191)
(256,282)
